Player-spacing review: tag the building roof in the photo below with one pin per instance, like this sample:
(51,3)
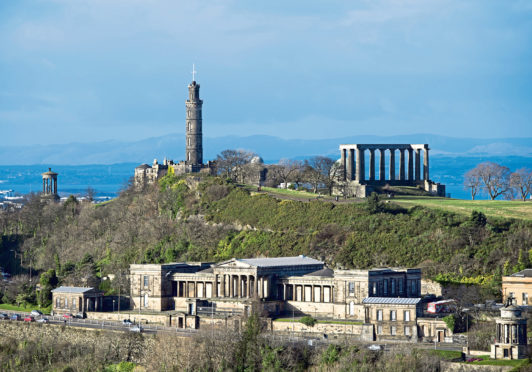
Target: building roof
(526,273)
(300,260)
(73,289)
(325,272)
(143,166)
(391,300)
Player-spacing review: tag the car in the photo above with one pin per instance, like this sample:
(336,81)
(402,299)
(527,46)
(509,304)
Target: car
(80,315)
(67,316)
(36,313)
(136,328)
(42,320)
(14,317)
(127,322)
(29,318)
(4,316)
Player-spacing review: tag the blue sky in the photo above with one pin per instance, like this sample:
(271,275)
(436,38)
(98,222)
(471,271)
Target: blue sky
(92,70)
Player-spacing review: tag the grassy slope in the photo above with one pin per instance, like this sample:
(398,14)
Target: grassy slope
(491,208)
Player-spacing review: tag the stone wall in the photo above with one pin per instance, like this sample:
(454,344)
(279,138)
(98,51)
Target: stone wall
(430,287)
(464,367)
(320,328)
(135,345)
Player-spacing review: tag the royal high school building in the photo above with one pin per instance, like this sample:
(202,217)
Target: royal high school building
(388,299)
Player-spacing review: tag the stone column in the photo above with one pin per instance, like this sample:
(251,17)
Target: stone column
(284,292)
(372,164)
(344,164)
(402,164)
(392,165)
(248,286)
(426,164)
(410,164)
(256,286)
(360,165)
(418,160)
(350,160)
(382,165)
(215,286)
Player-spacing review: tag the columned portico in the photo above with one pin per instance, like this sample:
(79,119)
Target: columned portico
(409,172)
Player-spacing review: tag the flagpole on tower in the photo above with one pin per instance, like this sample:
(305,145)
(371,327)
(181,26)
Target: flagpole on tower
(193,72)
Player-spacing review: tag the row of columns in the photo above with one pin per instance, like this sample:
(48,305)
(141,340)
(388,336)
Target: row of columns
(511,333)
(414,164)
(228,286)
(290,293)
(49,185)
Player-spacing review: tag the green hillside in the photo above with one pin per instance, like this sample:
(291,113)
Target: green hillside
(186,219)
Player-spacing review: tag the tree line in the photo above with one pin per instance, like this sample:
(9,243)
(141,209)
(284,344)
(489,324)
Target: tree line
(318,172)
(497,180)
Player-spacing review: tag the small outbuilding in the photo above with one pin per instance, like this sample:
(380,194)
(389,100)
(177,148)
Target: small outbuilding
(76,299)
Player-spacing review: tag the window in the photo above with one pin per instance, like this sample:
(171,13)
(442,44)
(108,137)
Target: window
(351,308)
(512,295)
(385,287)
(393,315)
(393,330)
(66,302)
(379,315)
(374,289)
(379,329)
(146,280)
(393,286)
(400,285)
(406,315)
(414,289)
(407,331)
(146,300)
(58,302)
(351,288)
(525,298)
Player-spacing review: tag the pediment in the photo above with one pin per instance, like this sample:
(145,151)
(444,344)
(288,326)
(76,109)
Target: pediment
(232,263)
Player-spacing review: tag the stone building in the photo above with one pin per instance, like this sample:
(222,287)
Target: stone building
(283,285)
(353,171)
(193,163)
(518,286)
(76,299)
(49,185)
(511,334)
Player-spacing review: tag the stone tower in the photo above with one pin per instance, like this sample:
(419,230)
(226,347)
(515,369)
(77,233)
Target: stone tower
(49,184)
(194,146)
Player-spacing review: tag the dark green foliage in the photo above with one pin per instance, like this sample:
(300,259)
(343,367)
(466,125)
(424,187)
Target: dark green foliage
(247,353)
(48,282)
(478,218)
(373,204)
(450,321)
(308,321)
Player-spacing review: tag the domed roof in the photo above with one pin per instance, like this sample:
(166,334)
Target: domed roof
(257,160)
(49,173)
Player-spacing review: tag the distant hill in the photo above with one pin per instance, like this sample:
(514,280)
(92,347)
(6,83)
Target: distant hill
(270,148)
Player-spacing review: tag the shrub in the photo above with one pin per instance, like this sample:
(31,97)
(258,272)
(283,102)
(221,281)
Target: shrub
(308,321)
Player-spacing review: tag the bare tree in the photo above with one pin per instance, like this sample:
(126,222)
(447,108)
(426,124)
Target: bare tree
(495,178)
(231,162)
(521,181)
(322,170)
(285,171)
(473,181)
